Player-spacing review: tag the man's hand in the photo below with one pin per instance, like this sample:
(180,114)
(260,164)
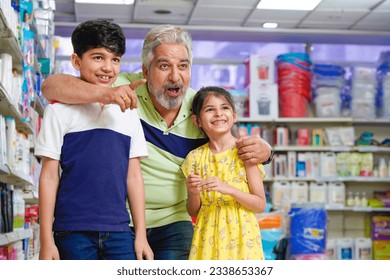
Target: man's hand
(253,149)
(125,95)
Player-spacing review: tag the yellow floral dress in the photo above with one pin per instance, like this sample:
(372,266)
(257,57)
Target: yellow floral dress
(224,230)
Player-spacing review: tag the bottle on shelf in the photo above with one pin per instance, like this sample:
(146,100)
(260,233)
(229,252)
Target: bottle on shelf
(382,168)
(350,199)
(357,199)
(363,200)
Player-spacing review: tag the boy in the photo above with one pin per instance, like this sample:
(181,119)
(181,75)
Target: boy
(98,149)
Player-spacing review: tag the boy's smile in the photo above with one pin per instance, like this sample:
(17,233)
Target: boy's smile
(97,66)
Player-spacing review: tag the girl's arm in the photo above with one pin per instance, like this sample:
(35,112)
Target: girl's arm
(193,190)
(136,197)
(48,187)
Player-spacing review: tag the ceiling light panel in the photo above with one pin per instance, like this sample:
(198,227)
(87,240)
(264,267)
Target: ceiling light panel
(301,5)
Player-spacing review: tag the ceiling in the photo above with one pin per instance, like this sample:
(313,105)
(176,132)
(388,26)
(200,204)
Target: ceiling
(332,21)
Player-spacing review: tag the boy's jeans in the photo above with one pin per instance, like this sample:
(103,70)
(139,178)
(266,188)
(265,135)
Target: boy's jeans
(92,245)
(172,241)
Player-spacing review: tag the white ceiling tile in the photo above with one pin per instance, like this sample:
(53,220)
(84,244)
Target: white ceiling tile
(377,18)
(326,24)
(347,4)
(384,6)
(177,15)
(275,15)
(249,4)
(119,13)
(335,16)
(216,22)
(210,14)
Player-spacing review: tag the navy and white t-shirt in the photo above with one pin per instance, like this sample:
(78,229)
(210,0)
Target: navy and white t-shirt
(93,145)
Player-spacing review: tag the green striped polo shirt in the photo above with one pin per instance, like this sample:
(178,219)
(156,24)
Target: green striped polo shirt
(165,189)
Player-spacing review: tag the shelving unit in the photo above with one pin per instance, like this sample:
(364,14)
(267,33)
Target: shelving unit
(343,221)
(10,175)
(9,44)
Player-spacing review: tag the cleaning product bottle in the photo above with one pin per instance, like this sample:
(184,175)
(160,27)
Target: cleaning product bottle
(356,199)
(363,200)
(382,168)
(350,200)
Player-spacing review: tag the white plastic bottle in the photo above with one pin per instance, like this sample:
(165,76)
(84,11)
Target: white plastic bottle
(363,200)
(357,199)
(350,200)
(382,168)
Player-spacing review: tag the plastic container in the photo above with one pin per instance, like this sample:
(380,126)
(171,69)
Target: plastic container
(345,248)
(280,194)
(363,248)
(336,194)
(299,192)
(318,192)
(331,249)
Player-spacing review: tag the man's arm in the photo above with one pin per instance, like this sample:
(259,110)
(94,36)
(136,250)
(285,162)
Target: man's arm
(72,90)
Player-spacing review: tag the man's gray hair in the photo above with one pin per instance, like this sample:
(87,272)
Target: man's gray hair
(165,34)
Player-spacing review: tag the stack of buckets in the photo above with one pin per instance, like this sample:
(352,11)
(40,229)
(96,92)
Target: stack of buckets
(294,84)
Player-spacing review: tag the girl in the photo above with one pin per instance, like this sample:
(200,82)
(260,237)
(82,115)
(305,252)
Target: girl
(223,192)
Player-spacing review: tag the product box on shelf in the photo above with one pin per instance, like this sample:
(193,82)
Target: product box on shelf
(381,249)
(380,228)
(262,69)
(263,101)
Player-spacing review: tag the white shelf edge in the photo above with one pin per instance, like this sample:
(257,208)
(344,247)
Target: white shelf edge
(344,120)
(357,209)
(330,179)
(9,237)
(15,177)
(8,109)
(373,149)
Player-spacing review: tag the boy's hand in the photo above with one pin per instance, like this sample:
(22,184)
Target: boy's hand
(125,95)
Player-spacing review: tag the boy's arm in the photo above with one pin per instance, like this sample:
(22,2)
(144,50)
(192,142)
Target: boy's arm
(72,90)
(48,186)
(136,197)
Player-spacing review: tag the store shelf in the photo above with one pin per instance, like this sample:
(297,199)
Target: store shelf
(371,122)
(372,149)
(299,120)
(14,177)
(3,170)
(30,198)
(6,238)
(314,120)
(331,179)
(8,109)
(9,43)
(38,106)
(357,209)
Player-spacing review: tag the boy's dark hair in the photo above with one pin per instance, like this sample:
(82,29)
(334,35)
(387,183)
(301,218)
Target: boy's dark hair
(205,92)
(98,34)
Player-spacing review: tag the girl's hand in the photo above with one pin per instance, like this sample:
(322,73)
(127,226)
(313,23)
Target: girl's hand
(215,184)
(193,185)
